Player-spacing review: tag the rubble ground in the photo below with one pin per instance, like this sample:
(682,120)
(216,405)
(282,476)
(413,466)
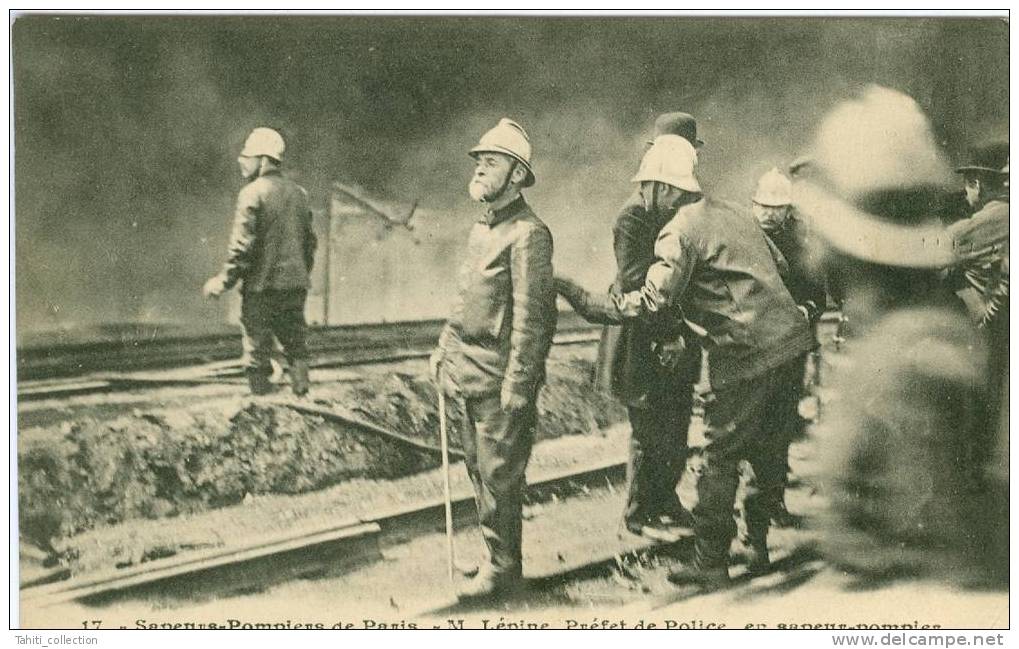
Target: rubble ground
(87,486)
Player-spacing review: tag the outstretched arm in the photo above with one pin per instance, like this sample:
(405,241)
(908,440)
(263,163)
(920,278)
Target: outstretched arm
(595,308)
(664,284)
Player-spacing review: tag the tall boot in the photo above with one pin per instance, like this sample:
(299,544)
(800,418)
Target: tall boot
(258,381)
(708,574)
(756,542)
(299,380)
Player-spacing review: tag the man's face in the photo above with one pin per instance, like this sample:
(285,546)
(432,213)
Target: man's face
(492,173)
(771,217)
(249,166)
(973,190)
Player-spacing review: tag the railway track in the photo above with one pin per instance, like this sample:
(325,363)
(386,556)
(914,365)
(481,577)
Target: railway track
(329,550)
(131,352)
(132,363)
(69,370)
(338,547)
(358,544)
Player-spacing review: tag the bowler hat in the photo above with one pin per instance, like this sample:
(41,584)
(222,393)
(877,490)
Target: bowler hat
(682,124)
(990,158)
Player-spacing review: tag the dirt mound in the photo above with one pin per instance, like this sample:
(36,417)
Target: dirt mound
(150,465)
(163,463)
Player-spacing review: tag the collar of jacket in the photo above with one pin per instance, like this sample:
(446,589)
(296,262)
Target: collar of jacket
(491,218)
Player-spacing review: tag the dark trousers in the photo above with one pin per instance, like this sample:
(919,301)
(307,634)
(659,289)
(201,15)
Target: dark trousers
(796,426)
(750,420)
(997,367)
(268,314)
(497,446)
(658,450)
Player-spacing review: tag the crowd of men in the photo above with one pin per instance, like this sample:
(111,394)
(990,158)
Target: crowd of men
(920,443)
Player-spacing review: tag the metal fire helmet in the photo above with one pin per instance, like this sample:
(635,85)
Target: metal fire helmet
(670,160)
(509,138)
(264,141)
(774,189)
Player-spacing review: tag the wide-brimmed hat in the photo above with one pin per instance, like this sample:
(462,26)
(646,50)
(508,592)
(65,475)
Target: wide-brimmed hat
(874,193)
(990,158)
(682,124)
(509,138)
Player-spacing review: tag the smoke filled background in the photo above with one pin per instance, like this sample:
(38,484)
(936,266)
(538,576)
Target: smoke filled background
(127,129)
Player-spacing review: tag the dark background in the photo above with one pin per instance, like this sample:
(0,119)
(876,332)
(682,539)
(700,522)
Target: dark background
(127,128)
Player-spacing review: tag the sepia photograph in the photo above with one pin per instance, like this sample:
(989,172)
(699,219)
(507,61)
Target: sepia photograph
(661,321)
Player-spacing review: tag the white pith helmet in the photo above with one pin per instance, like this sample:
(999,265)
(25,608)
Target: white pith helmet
(509,138)
(774,189)
(264,141)
(670,160)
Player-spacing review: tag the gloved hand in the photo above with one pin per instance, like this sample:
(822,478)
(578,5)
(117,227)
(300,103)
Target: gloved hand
(804,311)
(214,287)
(512,402)
(670,353)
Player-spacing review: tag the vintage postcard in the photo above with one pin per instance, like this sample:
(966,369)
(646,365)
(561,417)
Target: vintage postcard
(357,321)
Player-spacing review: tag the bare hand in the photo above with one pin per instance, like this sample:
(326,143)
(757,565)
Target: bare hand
(513,402)
(214,287)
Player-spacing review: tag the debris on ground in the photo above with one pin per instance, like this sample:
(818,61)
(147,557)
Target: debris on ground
(91,473)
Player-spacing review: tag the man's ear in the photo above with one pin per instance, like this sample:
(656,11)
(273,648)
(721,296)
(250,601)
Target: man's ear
(519,173)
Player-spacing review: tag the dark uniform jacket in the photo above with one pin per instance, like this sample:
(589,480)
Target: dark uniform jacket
(981,245)
(629,366)
(272,246)
(714,262)
(802,280)
(501,329)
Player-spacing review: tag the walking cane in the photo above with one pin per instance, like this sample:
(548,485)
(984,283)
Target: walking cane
(444,442)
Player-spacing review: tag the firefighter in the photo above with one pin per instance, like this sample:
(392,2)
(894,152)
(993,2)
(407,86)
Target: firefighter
(908,461)
(714,272)
(271,252)
(658,398)
(492,351)
(772,207)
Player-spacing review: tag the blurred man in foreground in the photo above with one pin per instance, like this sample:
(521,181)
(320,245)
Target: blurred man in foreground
(907,453)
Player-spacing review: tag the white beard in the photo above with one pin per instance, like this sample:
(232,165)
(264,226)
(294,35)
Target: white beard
(478,191)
